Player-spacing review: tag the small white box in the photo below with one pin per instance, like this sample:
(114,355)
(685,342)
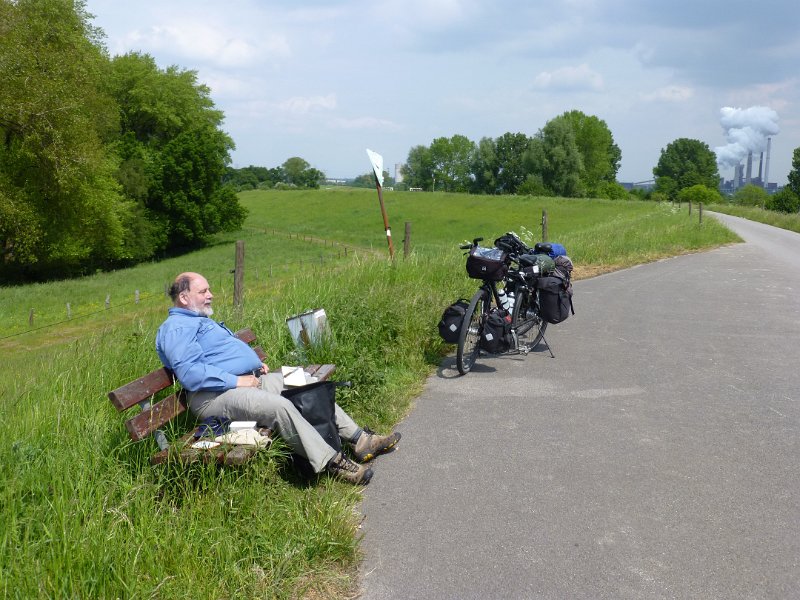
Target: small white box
(241,425)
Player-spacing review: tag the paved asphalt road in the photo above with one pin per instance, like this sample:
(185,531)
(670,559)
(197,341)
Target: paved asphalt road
(655,457)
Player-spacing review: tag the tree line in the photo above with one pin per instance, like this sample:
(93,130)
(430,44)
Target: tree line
(104,162)
(573,155)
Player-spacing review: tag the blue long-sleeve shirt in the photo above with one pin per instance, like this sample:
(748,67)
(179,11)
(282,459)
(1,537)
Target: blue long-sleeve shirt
(203,354)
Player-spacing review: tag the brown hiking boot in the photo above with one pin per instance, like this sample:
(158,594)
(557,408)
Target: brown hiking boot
(370,444)
(346,470)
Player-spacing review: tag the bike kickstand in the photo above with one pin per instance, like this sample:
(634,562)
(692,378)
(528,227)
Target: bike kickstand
(546,343)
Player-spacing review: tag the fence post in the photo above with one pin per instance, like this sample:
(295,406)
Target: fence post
(69,311)
(544,225)
(136,297)
(407,240)
(108,300)
(700,212)
(30,318)
(238,276)
(690,208)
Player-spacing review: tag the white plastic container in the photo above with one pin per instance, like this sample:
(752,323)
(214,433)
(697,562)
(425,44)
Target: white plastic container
(241,425)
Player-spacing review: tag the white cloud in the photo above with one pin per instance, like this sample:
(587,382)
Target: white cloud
(365,123)
(580,78)
(300,105)
(670,93)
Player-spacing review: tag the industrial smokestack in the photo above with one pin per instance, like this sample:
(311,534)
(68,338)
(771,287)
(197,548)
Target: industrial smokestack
(746,130)
(766,163)
(749,173)
(760,168)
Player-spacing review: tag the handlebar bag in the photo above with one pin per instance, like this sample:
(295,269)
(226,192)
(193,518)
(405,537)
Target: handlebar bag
(490,264)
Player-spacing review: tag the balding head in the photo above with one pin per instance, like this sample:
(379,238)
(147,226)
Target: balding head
(191,291)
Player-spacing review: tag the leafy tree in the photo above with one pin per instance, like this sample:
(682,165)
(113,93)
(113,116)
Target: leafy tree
(61,210)
(299,173)
(794,174)
(510,149)
(418,170)
(750,195)
(173,153)
(699,193)
(683,163)
(485,167)
(451,163)
(554,156)
(785,201)
(600,156)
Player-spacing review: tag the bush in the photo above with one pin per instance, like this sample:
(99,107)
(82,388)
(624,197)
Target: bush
(785,201)
(699,193)
(750,195)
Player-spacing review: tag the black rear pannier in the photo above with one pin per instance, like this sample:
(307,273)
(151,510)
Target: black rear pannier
(496,335)
(487,263)
(452,317)
(555,303)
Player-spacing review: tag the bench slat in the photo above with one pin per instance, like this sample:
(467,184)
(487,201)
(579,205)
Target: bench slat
(143,388)
(158,415)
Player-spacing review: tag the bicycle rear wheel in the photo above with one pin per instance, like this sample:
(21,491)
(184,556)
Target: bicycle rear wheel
(525,319)
(469,338)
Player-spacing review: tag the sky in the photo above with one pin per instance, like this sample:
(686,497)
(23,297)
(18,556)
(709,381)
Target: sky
(326,79)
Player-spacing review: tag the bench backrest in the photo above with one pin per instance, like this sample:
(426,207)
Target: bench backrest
(141,392)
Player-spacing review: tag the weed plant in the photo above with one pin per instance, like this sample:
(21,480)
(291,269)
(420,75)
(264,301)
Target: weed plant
(84,515)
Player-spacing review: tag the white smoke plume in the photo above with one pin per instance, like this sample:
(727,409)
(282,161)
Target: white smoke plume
(746,130)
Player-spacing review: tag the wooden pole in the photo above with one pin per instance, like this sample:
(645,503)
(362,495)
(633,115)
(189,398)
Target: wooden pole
(700,211)
(544,225)
(407,240)
(385,219)
(30,318)
(238,276)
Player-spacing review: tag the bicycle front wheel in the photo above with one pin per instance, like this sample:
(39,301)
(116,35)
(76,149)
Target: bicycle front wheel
(525,319)
(469,338)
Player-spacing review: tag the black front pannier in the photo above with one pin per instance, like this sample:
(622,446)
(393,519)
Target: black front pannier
(496,335)
(452,317)
(490,264)
(555,303)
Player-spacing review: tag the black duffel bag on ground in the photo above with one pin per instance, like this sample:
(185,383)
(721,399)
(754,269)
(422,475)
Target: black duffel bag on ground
(555,302)
(316,402)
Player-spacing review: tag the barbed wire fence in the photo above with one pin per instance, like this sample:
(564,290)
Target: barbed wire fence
(337,251)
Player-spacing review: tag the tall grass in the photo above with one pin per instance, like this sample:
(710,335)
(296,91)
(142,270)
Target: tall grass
(754,213)
(84,515)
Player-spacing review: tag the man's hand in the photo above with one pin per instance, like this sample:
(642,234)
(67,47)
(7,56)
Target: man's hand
(264,368)
(247,381)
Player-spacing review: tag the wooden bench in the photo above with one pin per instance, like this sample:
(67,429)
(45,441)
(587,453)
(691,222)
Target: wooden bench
(156,414)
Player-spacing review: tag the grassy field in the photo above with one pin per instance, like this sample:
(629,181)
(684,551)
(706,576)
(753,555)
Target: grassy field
(82,513)
(754,213)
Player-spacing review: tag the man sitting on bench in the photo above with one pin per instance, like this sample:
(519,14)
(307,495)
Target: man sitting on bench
(224,377)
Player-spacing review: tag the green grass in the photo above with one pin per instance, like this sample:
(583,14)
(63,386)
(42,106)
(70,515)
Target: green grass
(754,213)
(83,513)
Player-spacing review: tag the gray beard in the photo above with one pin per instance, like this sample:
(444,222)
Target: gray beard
(202,310)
